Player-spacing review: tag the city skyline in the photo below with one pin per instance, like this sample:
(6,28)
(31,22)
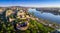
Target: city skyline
(30,3)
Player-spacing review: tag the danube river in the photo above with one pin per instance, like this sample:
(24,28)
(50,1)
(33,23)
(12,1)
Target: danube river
(45,15)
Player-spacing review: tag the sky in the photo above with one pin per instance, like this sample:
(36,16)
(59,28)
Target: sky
(30,3)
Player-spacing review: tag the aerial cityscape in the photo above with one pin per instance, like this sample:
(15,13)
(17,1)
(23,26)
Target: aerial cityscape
(30,16)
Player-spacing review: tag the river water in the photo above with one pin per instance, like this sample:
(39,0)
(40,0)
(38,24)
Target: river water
(45,15)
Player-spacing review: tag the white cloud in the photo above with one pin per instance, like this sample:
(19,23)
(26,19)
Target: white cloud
(41,5)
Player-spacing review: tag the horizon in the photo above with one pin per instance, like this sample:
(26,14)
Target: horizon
(30,3)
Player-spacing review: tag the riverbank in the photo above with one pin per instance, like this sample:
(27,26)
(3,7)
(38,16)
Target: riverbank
(46,22)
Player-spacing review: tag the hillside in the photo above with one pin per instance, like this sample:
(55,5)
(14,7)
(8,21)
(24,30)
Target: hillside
(20,21)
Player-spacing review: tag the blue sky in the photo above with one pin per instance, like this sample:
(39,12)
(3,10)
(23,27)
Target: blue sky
(31,3)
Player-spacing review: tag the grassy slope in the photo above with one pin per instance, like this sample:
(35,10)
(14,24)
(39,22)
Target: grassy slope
(34,27)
